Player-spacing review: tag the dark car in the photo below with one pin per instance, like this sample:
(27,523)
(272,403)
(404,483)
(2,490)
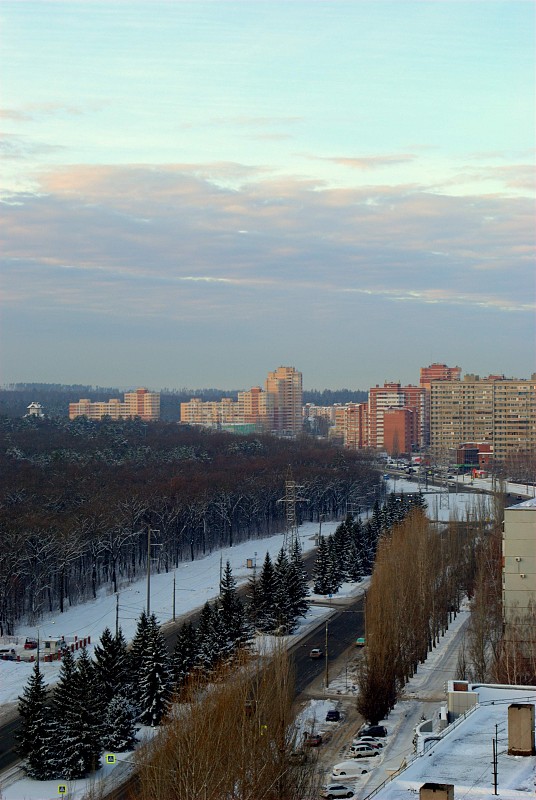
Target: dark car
(374,730)
(333,715)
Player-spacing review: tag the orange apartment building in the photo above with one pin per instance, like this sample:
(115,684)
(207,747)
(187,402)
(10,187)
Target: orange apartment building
(351,425)
(394,396)
(434,372)
(141,403)
(285,387)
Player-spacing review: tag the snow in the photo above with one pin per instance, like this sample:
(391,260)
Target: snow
(197,582)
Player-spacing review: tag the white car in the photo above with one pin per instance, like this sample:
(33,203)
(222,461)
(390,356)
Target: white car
(333,790)
(368,740)
(350,768)
(363,751)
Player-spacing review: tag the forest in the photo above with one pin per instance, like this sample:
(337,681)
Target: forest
(77,500)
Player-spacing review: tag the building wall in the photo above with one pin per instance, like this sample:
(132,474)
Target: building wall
(499,411)
(393,395)
(284,385)
(434,372)
(140,403)
(519,559)
(401,430)
(351,425)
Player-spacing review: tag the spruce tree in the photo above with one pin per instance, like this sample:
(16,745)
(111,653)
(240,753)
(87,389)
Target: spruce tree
(111,665)
(120,725)
(282,596)
(231,610)
(207,649)
(154,677)
(301,590)
(334,572)
(137,653)
(267,614)
(36,739)
(184,654)
(320,568)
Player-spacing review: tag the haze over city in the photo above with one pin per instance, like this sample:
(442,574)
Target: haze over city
(196,192)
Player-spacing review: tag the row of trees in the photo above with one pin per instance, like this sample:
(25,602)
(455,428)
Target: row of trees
(419,577)
(77,500)
(349,553)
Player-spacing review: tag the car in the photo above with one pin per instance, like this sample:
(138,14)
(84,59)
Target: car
(348,767)
(373,730)
(360,641)
(363,751)
(333,790)
(316,652)
(313,740)
(333,715)
(369,740)
(30,644)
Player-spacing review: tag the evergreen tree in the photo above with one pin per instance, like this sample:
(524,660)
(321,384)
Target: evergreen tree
(78,716)
(184,654)
(120,725)
(154,677)
(231,610)
(320,568)
(301,589)
(355,565)
(36,742)
(298,592)
(267,617)
(282,596)
(334,573)
(341,541)
(137,653)
(111,665)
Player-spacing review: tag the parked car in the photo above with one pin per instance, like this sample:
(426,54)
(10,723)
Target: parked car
(360,641)
(316,652)
(313,740)
(363,751)
(368,740)
(333,790)
(373,730)
(30,644)
(333,715)
(350,768)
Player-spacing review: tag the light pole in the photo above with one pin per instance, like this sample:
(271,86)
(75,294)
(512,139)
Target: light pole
(326,677)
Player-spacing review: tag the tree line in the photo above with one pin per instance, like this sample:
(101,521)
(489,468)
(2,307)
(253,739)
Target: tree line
(77,500)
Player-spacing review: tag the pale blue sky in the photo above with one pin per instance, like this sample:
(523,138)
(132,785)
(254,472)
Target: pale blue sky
(197,192)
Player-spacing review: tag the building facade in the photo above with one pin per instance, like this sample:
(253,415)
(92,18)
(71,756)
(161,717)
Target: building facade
(519,574)
(497,410)
(284,385)
(351,425)
(394,396)
(434,372)
(141,403)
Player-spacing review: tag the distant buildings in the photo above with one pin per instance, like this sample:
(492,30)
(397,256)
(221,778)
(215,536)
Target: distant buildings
(141,403)
(277,409)
(35,410)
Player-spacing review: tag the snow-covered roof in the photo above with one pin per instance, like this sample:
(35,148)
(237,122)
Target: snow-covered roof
(463,756)
(530,503)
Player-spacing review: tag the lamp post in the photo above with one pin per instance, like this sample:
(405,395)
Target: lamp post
(148,603)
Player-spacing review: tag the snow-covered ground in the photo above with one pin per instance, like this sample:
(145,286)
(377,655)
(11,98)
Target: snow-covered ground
(197,582)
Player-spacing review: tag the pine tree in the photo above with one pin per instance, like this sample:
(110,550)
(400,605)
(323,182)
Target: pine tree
(341,540)
(207,649)
(154,677)
(267,614)
(184,654)
(138,652)
(334,573)
(111,665)
(78,715)
(36,742)
(120,725)
(231,610)
(301,590)
(320,568)
(355,565)
(298,592)
(282,596)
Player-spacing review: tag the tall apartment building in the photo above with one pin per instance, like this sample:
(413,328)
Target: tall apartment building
(141,403)
(256,407)
(285,387)
(351,425)
(400,430)
(519,571)
(497,410)
(393,396)
(434,372)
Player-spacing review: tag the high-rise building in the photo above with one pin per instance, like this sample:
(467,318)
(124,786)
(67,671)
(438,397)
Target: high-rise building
(141,403)
(497,410)
(210,413)
(393,396)
(351,425)
(435,372)
(285,386)
(400,430)
(256,407)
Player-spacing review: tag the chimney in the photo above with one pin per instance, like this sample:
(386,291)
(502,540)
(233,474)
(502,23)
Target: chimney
(521,729)
(436,791)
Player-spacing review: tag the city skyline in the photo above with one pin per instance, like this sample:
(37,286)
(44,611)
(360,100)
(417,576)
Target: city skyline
(194,192)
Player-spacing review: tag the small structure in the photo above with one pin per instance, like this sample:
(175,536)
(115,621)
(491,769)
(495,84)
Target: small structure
(35,410)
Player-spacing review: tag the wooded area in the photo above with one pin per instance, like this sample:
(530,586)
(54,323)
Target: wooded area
(77,500)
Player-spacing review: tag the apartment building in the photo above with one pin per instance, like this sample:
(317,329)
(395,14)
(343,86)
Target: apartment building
(284,385)
(351,425)
(141,403)
(497,410)
(519,574)
(210,413)
(256,407)
(434,372)
(394,396)
(400,430)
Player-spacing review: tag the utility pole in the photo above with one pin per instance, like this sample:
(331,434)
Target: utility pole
(117,615)
(148,603)
(174,571)
(326,677)
(494,743)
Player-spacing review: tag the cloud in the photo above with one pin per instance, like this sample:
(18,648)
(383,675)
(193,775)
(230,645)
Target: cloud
(170,240)
(371,162)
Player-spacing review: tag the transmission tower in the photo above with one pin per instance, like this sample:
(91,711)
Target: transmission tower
(290,500)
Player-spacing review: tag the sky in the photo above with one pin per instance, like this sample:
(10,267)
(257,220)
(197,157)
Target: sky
(195,193)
